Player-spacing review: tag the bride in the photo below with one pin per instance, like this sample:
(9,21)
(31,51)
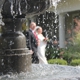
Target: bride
(41,47)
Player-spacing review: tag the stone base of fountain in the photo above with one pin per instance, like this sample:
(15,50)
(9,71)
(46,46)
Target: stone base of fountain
(14,55)
(15,63)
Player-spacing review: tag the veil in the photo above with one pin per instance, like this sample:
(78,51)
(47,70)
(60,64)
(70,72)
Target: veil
(37,27)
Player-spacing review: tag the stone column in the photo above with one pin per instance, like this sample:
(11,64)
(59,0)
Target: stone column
(62,30)
(14,54)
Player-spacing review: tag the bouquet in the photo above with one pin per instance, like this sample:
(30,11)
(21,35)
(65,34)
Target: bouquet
(46,39)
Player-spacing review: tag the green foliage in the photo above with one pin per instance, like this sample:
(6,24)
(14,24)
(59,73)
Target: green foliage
(75,62)
(52,53)
(24,27)
(57,61)
(70,54)
(76,39)
(73,51)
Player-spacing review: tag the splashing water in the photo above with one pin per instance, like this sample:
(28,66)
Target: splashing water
(46,72)
(1,3)
(55,3)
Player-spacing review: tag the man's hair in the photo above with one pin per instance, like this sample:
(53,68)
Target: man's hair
(32,23)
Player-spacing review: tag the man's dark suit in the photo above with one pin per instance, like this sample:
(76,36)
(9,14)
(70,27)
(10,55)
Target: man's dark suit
(32,45)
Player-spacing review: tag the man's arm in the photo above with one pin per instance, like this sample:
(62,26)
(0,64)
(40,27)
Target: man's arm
(28,40)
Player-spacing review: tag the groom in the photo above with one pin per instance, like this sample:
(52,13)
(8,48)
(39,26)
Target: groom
(31,40)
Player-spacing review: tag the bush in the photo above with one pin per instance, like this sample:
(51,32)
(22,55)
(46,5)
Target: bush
(52,53)
(71,54)
(73,48)
(67,56)
(75,62)
(57,61)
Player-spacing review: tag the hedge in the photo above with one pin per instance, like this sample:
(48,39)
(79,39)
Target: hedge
(75,62)
(57,61)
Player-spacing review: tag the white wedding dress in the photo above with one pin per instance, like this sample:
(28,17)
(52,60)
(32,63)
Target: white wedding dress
(41,50)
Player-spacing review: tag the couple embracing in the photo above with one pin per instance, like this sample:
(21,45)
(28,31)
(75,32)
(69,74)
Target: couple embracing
(36,43)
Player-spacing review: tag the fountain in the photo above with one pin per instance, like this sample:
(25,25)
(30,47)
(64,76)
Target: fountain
(14,55)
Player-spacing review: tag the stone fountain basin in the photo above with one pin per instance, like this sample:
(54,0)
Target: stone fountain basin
(46,72)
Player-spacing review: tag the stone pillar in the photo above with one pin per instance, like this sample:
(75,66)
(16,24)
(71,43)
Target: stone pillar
(62,30)
(14,54)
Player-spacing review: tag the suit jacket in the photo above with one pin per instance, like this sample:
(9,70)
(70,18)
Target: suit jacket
(31,41)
